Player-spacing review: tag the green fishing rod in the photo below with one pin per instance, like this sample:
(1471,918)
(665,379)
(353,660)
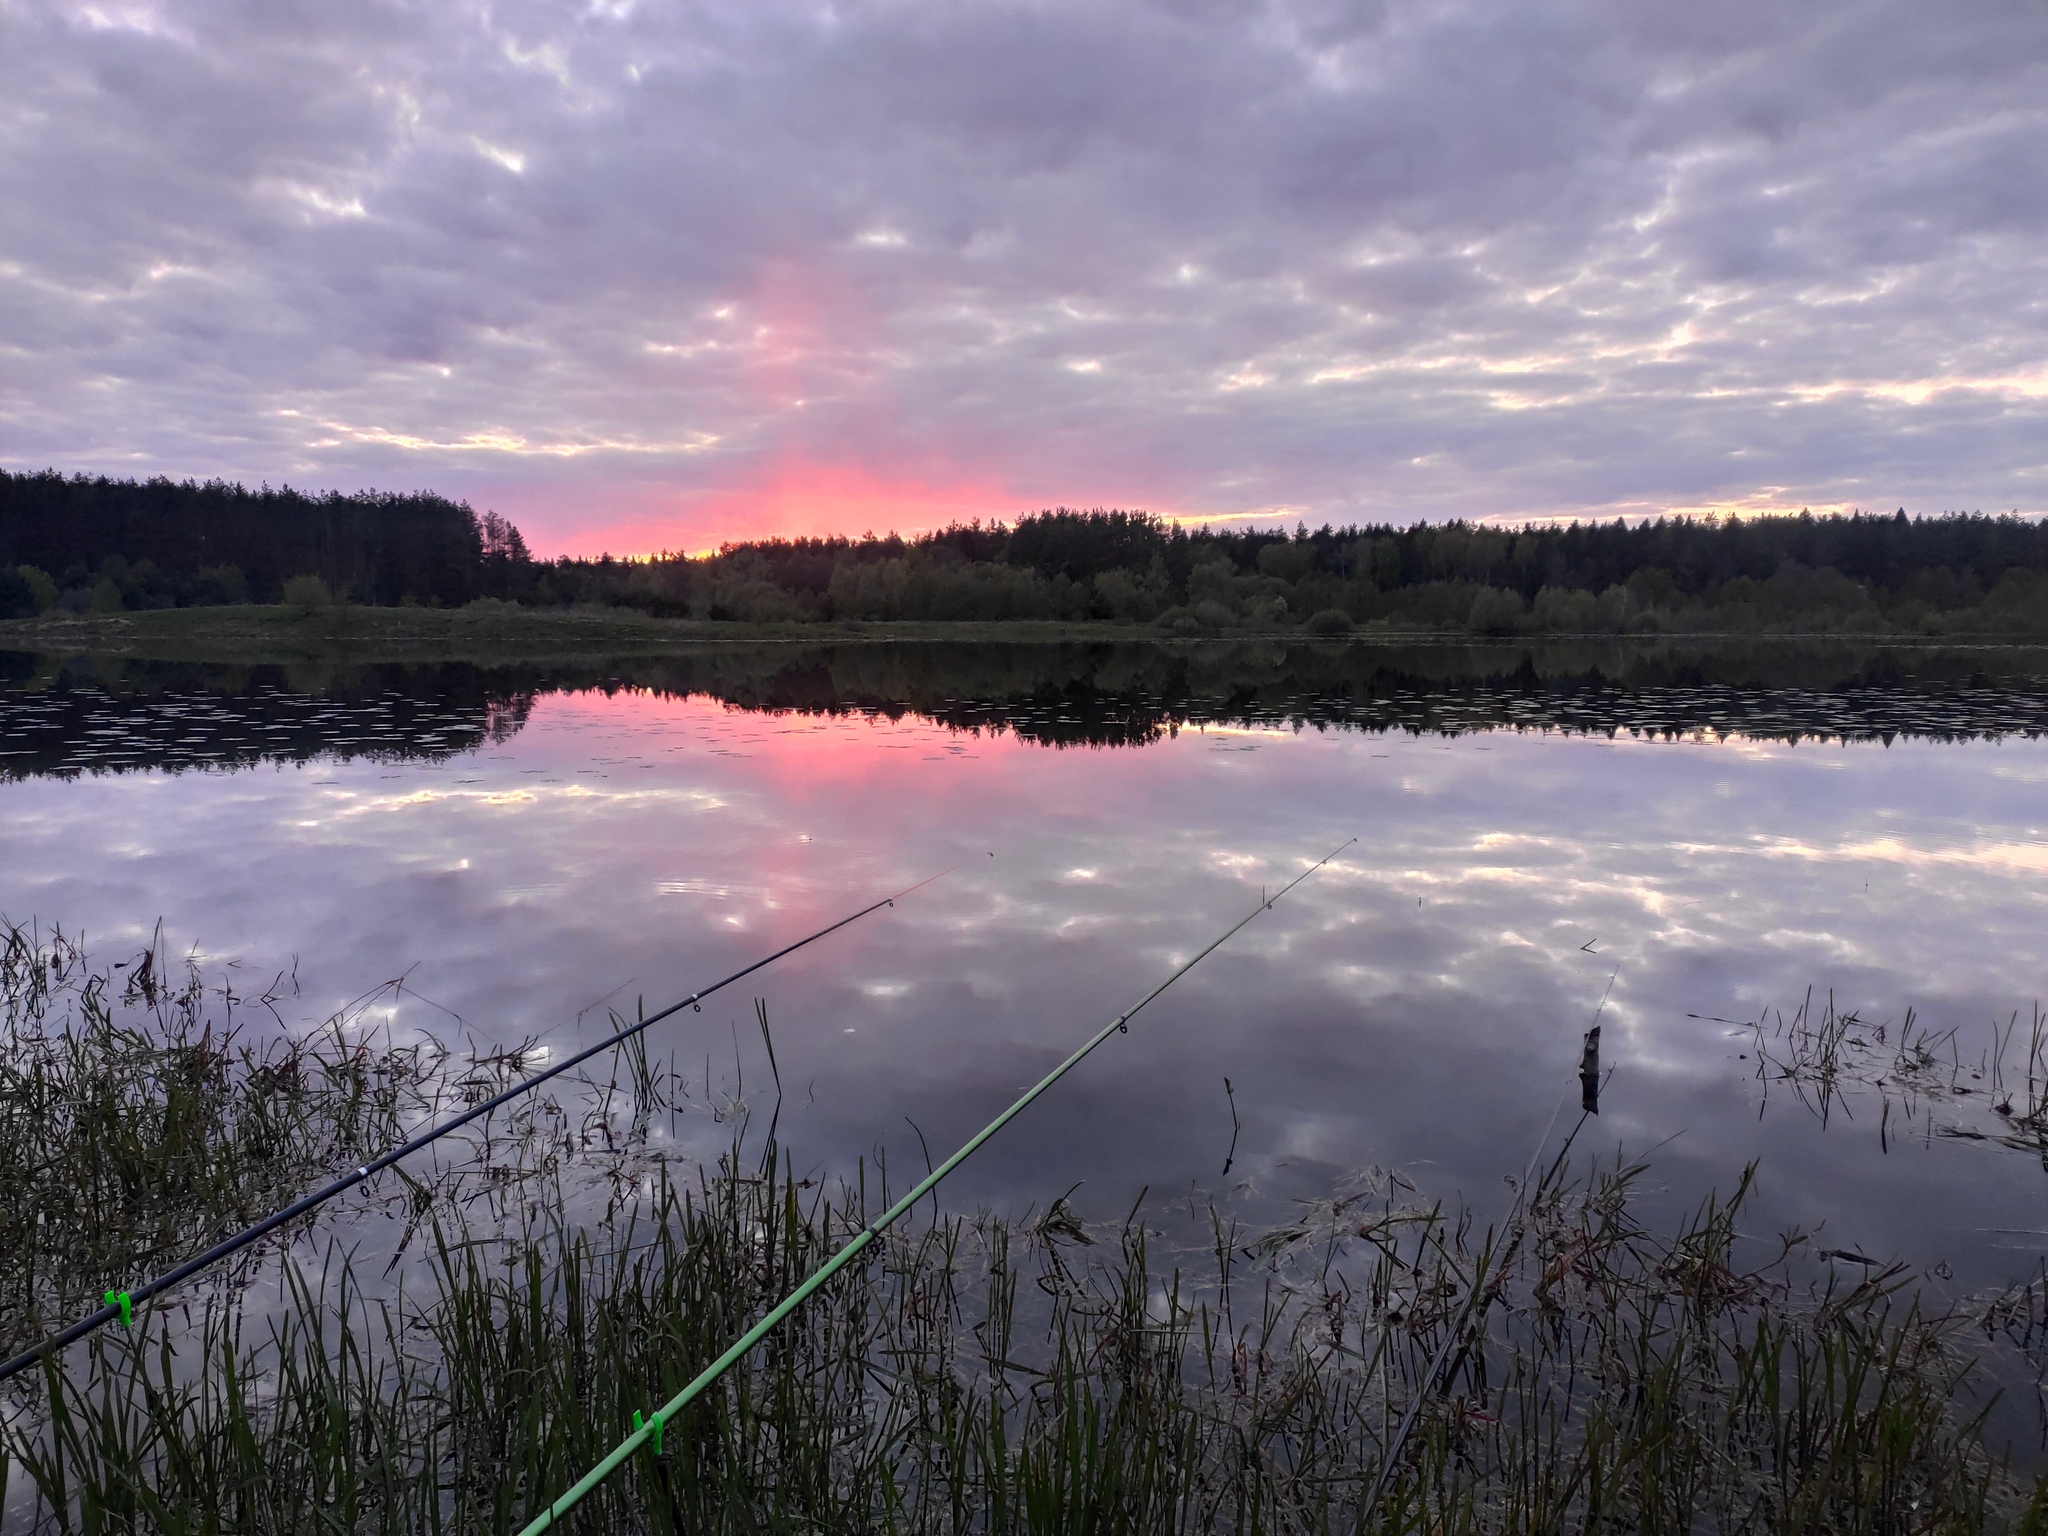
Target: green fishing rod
(121,1304)
(650,1429)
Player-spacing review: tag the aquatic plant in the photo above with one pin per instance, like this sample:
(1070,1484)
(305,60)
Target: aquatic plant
(1039,1376)
(1994,1094)
(141,1114)
(977,1374)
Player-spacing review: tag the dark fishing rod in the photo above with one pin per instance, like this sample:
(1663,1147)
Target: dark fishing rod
(650,1429)
(120,1304)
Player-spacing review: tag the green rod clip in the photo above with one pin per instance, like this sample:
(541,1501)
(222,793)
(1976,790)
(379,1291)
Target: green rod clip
(120,1299)
(640,1423)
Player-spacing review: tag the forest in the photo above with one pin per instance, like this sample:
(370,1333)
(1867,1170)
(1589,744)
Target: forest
(97,545)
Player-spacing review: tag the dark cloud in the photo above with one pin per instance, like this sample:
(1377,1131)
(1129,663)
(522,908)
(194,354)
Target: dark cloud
(1337,260)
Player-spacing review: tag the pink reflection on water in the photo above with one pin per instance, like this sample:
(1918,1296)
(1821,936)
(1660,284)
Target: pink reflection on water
(1420,1004)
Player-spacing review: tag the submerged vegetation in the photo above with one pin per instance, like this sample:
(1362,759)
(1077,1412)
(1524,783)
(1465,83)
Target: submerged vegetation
(97,546)
(460,1360)
(1926,1082)
(145,1114)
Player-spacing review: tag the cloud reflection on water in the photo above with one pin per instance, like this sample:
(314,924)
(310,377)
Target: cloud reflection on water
(1419,1004)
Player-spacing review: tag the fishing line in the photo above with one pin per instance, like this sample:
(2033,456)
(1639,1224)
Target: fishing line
(120,1304)
(649,1431)
(1443,1353)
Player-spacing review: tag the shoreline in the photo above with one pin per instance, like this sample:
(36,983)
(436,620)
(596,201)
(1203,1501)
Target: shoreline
(277,633)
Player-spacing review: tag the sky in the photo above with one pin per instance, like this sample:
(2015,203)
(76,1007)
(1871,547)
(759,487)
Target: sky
(651,275)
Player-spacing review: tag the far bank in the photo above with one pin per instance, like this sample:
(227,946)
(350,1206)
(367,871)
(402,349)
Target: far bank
(490,631)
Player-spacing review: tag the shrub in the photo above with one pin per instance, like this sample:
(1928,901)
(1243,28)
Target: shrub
(1496,611)
(221,584)
(17,598)
(308,594)
(1214,581)
(1567,609)
(1122,598)
(492,613)
(42,591)
(1331,621)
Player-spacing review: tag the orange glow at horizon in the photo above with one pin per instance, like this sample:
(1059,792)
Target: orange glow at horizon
(805,498)
(794,500)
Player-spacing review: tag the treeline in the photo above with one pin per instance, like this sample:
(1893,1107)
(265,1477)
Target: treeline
(91,544)
(97,544)
(1856,574)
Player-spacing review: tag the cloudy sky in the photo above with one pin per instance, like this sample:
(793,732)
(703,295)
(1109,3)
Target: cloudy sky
(651,274)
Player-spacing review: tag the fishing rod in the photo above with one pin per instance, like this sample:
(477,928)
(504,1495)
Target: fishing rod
(121,1304)
(650,1429)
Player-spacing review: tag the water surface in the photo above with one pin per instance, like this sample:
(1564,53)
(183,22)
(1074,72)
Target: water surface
(1676,843)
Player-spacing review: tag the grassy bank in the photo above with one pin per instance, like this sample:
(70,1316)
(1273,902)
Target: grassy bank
(1569,1369)
(479,632)
(490,632)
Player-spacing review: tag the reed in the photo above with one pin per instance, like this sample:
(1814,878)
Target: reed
(979,1376)
(143,1113)
(972,1374)
(1996,1094)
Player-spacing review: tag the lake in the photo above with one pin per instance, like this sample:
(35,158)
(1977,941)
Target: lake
(1675,842)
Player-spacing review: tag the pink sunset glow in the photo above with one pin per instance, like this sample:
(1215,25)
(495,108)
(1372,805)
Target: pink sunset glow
(790,501)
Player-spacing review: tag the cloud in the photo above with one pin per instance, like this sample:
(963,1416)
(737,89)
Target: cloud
(1313,258)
